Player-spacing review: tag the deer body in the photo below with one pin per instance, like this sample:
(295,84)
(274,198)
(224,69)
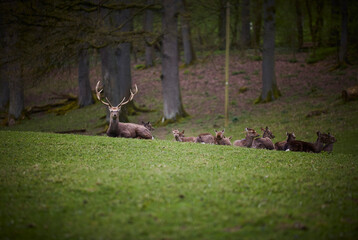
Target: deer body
(220,139)
(265,142)
(205,138)
(301,146)
(118,129)
(179,137)
(249,138)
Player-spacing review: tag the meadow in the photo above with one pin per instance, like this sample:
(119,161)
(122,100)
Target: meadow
(65,186)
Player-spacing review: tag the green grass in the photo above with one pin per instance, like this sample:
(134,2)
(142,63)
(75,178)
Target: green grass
(86,187)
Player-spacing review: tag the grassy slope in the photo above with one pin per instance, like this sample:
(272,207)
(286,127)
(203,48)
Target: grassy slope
(85,187)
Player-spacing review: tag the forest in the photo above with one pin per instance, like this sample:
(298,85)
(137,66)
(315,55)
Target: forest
(103,104)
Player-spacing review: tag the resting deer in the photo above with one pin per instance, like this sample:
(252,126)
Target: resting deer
(247,141)
(179,136)
(220,139)
(265,142)
(148,126)
(119,129)
(329,141)
(282,146)
(205,138)
(301,146)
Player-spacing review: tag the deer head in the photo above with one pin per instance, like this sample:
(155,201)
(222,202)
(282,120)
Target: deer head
(114,110)
(251,133)
(267,133)
(178,135)
(219,134)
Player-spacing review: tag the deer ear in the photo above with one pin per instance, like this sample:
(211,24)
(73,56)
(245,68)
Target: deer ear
(230,137)
(246,129)
(318,133)
(215,130)
(223,131)
(266,127)
(183,131)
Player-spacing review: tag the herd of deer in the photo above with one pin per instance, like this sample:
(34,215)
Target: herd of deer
(324,141)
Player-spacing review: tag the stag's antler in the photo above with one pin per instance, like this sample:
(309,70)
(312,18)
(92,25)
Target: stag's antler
(99,91)
(130,98)
(98,94)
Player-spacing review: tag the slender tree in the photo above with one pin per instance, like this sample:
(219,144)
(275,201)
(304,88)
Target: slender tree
(299,24)
(257,23)
(344,33)
(148,27)
(4,91)
(84,88)
(189,54)
(173,107)
(222,23)
(270,90)
(245,35)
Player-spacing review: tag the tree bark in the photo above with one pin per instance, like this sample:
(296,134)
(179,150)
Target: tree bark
(173,108)
(189,54)
(344,33)
(16,87)
(4,90)
(84,88)
(124,62)
(245,36)
(148,27)
(270,90)
(257,22)
(222,24)
(299,24)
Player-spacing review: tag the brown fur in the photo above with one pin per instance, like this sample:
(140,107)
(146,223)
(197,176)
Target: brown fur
(206,138)
(148,126)
(301,146)
(282,146)
(265,142)
(247,141)
(179,136)
(126,130)
(329,141)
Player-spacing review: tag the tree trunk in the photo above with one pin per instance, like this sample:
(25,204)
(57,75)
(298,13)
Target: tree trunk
(222,24)
(173,108)
(124,62)
(148,27)
(16,87)
(189,54)
(4,90)
(257,22)
(84,88)
(299,24)
(270,90)
(344,33)
(245,36)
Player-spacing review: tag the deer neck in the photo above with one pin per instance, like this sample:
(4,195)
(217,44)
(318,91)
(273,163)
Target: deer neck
(318,145)
(113,125)
(249,140)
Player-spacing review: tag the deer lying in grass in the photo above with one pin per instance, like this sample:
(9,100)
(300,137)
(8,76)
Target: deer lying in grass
(119,129)
(265,142)
(220,139)
(148,126)
(329,140)
(249,138)
(282,146)
(179,136)
(205,138)
(301,146)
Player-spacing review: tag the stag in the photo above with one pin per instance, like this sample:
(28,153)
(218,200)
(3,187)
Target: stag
(117,128)
(265,142)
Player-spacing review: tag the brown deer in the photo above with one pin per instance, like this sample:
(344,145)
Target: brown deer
(301,146)
(265,142)
(249,138)
(119,129)
(148,126)
(329,141)
(179,136)
(205,138)
(220,139)
(282,146)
